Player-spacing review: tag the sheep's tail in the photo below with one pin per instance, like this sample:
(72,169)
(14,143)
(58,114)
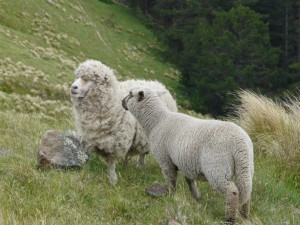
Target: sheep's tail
(244,171)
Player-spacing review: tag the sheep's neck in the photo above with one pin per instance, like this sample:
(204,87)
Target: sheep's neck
(104,108)
(151,115)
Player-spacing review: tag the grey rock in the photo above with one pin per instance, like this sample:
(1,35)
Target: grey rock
(157,190)
(61,150)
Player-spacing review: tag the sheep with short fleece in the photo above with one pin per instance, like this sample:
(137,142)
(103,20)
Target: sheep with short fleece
(211,149)
(102,124)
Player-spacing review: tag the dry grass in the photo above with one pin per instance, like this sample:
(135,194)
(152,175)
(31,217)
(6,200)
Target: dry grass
(273,125)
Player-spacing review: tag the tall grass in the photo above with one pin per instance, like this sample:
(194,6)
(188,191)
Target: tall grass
(274,127)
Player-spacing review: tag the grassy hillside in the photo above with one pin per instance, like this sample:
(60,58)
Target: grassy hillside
(41,42)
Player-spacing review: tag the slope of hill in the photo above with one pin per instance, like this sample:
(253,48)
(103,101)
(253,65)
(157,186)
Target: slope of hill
(42,42)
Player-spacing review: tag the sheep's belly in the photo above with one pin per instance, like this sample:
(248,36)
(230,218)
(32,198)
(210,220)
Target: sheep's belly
(193,175)
(190,170)
(109,144)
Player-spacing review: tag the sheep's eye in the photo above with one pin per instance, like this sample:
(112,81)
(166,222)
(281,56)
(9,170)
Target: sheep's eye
(130,94)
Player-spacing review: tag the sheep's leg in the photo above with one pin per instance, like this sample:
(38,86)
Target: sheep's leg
(170,174)
(245,209)
(232,202)
(219,181)
(193,188)
(113,178)
(126,160)
(141,161)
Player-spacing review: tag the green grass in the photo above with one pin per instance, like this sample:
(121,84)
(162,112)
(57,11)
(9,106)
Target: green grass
(41,45)
(31,196)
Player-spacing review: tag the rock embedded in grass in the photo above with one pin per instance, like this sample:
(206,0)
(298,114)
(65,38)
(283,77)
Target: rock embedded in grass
(61,150)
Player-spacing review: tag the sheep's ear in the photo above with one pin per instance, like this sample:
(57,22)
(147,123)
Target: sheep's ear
(141,96)
(161,93)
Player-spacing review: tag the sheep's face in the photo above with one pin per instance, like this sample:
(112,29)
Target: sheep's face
(137,99)
(81,87)
(93,79)
(132,102)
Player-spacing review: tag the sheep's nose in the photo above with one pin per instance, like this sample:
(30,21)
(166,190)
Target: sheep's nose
(74,87)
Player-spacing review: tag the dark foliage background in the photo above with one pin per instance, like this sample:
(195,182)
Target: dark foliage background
(222,46)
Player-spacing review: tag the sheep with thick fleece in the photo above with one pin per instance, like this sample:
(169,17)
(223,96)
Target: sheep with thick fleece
(211,149)
(102,124)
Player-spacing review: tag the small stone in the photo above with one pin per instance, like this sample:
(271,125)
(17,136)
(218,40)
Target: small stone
(4,152)
(157,190)
(173,222)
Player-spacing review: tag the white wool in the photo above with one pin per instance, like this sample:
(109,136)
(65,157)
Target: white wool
(101,122)
(211,149)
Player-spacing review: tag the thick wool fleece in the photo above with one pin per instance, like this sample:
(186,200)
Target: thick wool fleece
(103,125)
(211,149)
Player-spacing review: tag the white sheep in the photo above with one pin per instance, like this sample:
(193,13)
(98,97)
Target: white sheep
(102,124)
(211,149)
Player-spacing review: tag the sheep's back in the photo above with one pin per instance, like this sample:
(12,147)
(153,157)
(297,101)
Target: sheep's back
(156,86)
(191,142)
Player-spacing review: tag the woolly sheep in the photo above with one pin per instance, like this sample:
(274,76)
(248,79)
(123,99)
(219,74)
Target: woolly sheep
(211,149)
(102,124)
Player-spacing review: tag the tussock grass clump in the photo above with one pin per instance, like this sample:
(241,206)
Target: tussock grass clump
(274,126)
(43,27)
(54,54)
(34,104)
(19,78)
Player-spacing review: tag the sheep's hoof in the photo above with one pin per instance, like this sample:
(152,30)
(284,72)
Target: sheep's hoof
(157,190)
(198,199)
(140,166)
(141,162)
(229,221)
(113,180)
(245,215)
